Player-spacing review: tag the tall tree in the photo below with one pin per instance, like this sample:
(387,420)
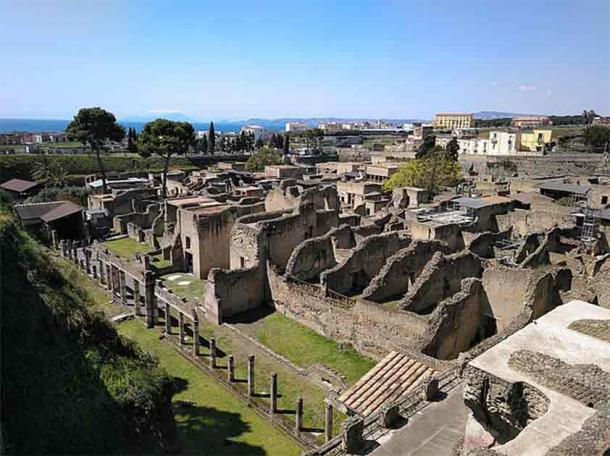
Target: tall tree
(263,157)
(452,149)
(203,145)
(95,126)
(426,146)
(132,139)
(166,138)
(286,144)
(211,139)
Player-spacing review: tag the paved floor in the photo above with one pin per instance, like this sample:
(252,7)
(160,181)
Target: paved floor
(432,431)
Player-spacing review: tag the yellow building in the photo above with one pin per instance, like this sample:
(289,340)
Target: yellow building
(535,140)
(452,120)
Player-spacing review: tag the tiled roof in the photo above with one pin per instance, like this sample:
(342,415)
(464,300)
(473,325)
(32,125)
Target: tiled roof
(394,376)
(18,185)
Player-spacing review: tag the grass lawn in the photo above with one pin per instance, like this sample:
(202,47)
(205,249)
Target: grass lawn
(127,247)
(159,262)
(210,420)
(185,286)
(305,347)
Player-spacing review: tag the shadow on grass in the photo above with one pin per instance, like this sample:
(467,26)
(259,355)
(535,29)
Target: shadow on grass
(205,430)
(252,315)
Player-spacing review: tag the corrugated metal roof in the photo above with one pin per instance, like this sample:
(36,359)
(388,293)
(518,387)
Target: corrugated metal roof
(35,210)
(563,187)
(394,376)
(64,210)
(18,185)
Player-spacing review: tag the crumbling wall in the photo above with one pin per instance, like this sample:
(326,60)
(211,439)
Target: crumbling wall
(401,270)
(310,258)
(356,272)
(230,292)
(530,245)
(458,323)
(370,328)
(441,278)
(343,237)
(482,245)
(503,408)
(143,220)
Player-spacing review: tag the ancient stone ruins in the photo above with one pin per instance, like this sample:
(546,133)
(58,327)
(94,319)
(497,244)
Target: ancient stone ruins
(486,307)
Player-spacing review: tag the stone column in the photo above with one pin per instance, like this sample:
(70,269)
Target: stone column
(69,248)
(102,268)
(180,328)
(54,238)
(168,319)
(250,375)
(87,253)
(212,353)
(123,282)
(195,334)
(351,435)
(273,394)
(231,369)
(298,424)
(62,248)
(149,300)
(75,252)
(136,298)
(109,276)
(94,271)
(328,421)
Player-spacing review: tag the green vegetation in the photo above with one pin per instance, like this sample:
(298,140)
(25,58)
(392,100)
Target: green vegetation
(94,127)
(166,138)
(597,136)
(305,347)
(127,247)
(80,165)
(70,384)
(77,195)
(265,156)
(60,145)
(433,171)
(186,286)
(159,262)
(209,418)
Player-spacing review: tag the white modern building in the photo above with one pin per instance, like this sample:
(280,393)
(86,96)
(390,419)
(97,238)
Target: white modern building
(258,131)
(294,127)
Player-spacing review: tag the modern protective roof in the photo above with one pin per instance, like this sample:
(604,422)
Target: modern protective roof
(66,209)
(18,185)
(393,377)
(563,187)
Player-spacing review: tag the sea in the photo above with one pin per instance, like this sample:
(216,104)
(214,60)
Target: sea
(56,125)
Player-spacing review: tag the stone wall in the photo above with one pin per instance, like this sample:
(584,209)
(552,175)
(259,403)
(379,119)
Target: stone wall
(504,409)
(457,323)
(356,272)
(370,328)
(143,220)
(441,278)
(310,258)
(482,244)
(230,292)
(401,270)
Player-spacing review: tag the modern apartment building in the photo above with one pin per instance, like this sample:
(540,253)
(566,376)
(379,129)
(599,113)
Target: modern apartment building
(452,120)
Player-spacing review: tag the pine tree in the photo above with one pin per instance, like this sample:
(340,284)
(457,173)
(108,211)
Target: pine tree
(211,139)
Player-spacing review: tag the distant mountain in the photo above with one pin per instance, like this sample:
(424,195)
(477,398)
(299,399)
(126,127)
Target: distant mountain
(489,115)
(169,115)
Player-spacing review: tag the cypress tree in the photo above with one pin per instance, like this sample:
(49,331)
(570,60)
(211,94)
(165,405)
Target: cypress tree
(211,139)
(286,145)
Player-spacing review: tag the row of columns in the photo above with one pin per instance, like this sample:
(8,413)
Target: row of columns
(114,279)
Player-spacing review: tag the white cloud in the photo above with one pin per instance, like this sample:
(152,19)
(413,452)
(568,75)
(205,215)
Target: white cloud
(526,88)
(163,111)
(494,83)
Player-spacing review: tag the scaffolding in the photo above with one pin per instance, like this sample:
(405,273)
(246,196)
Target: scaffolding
(447,214)
(589,226)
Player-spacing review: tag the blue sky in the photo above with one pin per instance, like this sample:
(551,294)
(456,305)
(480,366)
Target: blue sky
(351,58)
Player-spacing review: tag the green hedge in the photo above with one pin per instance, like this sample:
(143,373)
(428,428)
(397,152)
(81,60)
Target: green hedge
(22,166)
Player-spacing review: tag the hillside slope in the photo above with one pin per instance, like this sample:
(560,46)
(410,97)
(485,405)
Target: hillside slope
(70,384)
